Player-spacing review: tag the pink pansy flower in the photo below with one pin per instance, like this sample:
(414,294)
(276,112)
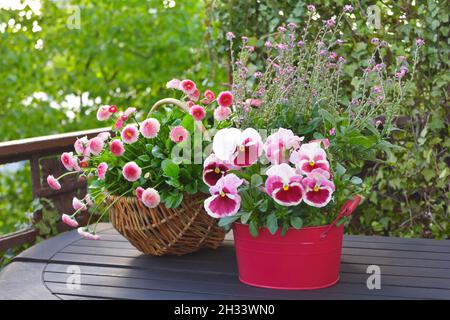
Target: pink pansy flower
(279,145)
(173,84)
(95,145)
(213,170)
(77,204)
(68,160)
(225,200)
(225,99)
(131,171)
(139,192)
(68,220)
(194,96)
(53,183)
(197,112)
(104,135)
(318,189)
(117,148)
(310,156)
(239,148)
(129,111)
(80,145)
(101,170)
(222,113)
(130,134)
(150,128)
(150,198)
(284,185)
(85,234)
(103,113)
(209,97)
(187,86)
(178,134)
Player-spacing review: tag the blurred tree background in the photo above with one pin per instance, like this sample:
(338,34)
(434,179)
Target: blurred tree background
(61,59)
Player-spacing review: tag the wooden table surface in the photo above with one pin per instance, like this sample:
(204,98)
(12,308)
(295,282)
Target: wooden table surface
(111,268)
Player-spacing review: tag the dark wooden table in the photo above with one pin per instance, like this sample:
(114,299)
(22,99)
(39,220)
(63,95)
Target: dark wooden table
(112,269)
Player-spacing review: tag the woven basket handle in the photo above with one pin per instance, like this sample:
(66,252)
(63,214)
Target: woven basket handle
(182,106)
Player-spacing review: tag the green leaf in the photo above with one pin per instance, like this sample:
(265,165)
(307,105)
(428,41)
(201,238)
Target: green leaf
(170,168)
(272,223)
(253,228)
(144,158)
(362,141)
(340,170)
(156,152)
(245,216)
(296,222)
(264,205)
(356,180)
(256,180)
(227,220)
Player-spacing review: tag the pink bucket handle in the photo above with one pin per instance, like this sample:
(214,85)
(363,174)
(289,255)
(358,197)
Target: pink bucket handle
(346,210)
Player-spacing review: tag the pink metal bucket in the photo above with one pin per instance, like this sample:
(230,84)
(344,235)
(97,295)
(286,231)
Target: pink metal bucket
(308,258)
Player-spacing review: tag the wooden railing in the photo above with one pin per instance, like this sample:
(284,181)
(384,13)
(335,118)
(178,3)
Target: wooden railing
(42,153)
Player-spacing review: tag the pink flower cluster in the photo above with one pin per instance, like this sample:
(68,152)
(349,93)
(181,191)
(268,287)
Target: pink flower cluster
(308,180)
(189,88)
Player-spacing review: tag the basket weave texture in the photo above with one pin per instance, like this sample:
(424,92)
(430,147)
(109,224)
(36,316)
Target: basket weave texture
(163,231)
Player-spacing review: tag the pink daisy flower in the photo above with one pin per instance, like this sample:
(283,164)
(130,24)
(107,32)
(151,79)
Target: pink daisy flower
(80,145)
(150,128)
(188,86)
(104,135)
(119,123)
(95,145)
(101,170)
(139,192)
(117,148)
(87,235)
(197,112)
(130,134)
(225,200)
(222,113)
(77,204)
(68,220)
(129,111)
(68,160)
(103,113)
(225,99)
(209,97)
(195,95)
(173,84)
(131,171)
(178,134)
(53,183)
(150,198)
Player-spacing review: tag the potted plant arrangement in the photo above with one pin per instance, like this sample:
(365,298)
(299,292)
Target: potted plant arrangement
(145,174)
(285,175)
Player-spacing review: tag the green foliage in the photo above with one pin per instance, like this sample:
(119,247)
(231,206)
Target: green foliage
(408,192)
(53,76)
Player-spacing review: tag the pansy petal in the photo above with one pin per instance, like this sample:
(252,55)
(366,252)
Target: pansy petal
(290,196)
(218,207)
(225,142)
(318,198)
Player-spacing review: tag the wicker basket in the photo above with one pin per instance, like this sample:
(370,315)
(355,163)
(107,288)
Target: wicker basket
(161,230)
